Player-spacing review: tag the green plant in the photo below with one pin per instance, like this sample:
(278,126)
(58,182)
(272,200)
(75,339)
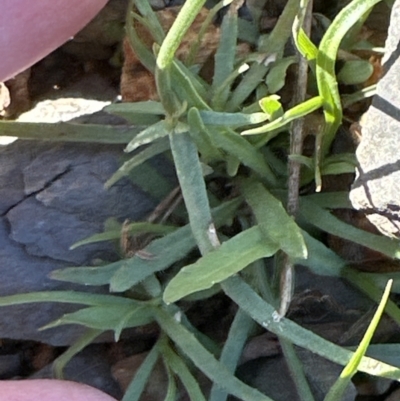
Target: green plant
(225,130)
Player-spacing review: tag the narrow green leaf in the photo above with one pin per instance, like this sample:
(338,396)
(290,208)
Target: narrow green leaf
(305,46)
(139,113)
(298,111)
(304,160)
(355,72)
(150,20)
(87,338)
(369,288)
(209,344)
(239,331)
(193,189)
(105,236)
(204,360)
(230,258)
(338,168)
(126,109)
(226,53)
(274,222)
(277,75)
(218,93)
(72,297)
(147,12)
(202,137)
(248,31)
(152,150)
(296,370)
(106,317)
(349,158)
(182,371)
(152,286)
(151,134)
(348,100)
(241,149)
(171,389)
(321,260)
(176,33)
(271,106)
(145,56)
(150,178)
(133,228)
(273,48)
(188,86)
(196,45)
(167,94)
(389,353)
(231,119)
(70,132)
(165,251)
(325,67)
(338,389)
(331,200)
(87,275)
(137,385)
(232,165)
(248,84)
(324,220)
(381,280)
(303,43)
(264,314)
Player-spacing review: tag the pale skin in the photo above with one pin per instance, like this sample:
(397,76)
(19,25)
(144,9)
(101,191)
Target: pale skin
(49,390)
(29,30)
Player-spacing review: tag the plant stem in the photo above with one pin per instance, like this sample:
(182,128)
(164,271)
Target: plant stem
(185,18)
(296,148)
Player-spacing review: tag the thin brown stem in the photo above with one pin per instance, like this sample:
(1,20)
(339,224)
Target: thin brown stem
(296,148)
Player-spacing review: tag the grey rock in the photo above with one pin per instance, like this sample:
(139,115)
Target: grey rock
(394,396)
(10,365)
(62,109)
(51,196)
(333,287)
(272,377)
(322,374)
(377,186)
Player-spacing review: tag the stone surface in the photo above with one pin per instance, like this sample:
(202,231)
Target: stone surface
(10,365)
(51,196)
(61,109)
(377,186)
(272,377)
(394,396)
